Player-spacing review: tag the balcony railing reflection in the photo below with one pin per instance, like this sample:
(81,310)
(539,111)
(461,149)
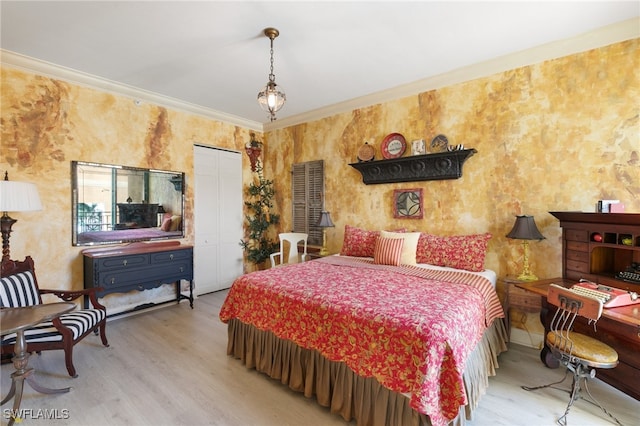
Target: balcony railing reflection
(94,221)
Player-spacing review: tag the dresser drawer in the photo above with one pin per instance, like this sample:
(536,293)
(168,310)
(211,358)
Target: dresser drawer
(577,246)
(576,235)
(170,256)
(580,256)
(574,265)
(524,300)
(122,262)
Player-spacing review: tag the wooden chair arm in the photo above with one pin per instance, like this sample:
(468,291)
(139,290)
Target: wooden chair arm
(71,295)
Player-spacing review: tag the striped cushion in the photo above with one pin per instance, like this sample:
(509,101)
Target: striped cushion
(388,251)
(78,321)
(18,290)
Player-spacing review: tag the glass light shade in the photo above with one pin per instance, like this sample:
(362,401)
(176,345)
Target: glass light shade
(271,98)
(18,197)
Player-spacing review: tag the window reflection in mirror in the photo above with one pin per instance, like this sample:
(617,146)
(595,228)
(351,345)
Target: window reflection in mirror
(117,204)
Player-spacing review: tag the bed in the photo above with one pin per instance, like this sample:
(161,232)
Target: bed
(386,344)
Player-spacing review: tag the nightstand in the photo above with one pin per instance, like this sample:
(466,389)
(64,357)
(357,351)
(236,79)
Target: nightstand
(316,255)
(522,300)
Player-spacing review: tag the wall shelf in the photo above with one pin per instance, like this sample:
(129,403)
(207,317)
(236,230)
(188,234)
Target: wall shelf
(439,166)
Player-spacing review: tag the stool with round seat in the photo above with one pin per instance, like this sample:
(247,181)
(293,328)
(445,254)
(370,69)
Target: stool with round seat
(579,353)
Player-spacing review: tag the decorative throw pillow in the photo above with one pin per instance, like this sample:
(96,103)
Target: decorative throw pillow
(176,220)
(359,242)
(166,225)
(409,246)
(460,251)
(388,251)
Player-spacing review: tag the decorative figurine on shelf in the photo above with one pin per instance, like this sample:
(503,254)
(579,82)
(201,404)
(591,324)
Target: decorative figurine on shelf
(418,147)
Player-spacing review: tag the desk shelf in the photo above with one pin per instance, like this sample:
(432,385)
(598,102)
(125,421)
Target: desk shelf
(439,166)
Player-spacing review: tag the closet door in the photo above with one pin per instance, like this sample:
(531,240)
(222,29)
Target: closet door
(217,218)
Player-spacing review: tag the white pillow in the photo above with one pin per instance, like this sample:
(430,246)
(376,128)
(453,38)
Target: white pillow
(408,248)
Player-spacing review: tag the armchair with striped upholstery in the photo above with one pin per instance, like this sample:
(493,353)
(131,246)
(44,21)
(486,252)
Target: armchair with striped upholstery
(19,288)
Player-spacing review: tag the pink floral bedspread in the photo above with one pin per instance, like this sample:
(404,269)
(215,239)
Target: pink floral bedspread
(411,332)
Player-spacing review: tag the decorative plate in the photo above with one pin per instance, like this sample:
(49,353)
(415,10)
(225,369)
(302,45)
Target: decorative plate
(439,144)
(366,152)
(393,146)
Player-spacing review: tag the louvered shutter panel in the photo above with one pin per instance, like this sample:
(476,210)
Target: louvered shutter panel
(299,188)
(315,191)
(308,198)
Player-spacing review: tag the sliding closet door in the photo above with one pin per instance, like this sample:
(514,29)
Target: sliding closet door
(217,218)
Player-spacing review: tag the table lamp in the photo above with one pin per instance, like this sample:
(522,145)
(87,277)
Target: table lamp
(525,229)
(15,197)
(324,222)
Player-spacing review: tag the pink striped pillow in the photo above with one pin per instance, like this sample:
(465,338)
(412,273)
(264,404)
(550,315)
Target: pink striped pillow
(388,251)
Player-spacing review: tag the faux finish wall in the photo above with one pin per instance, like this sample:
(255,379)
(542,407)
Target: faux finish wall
(554,136)
(558,135)
(48,123)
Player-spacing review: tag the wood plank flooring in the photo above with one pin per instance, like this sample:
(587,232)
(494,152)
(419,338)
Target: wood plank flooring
(169,367)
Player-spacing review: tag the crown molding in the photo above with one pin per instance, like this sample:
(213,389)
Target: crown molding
(47,69)
(618,32)
(604,36)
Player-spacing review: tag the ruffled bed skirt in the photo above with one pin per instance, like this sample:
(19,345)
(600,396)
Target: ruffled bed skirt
(353,397)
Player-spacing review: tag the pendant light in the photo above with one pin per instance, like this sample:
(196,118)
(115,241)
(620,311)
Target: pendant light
(271,98)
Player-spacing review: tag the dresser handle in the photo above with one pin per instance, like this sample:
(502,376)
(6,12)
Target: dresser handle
(182,269)
(113,280)
(171,256)
(124,262)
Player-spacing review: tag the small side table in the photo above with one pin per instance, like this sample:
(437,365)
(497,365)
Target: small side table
(316,255)
(518,298)
(17,320)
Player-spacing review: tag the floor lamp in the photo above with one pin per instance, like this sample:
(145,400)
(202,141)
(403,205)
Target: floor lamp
(324,222)
(15,197)
(525,229)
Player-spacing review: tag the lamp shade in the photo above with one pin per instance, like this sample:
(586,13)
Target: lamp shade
(325,220)
(525,229)
(18,197)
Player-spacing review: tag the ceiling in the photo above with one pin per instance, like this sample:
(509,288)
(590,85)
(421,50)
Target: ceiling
(213,54)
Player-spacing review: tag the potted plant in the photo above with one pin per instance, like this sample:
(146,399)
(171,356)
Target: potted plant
(258,246)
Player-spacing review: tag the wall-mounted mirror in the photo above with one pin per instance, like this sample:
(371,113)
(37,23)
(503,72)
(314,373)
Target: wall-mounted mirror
(117,204)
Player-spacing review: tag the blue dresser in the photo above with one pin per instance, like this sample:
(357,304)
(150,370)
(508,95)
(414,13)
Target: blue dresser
(139,266)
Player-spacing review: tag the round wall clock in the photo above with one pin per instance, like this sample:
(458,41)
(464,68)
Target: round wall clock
(393,146)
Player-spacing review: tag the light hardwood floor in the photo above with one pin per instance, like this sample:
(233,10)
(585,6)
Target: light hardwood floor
(169,367)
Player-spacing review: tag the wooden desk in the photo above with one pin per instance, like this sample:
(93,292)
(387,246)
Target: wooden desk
(618,327)
(17,320)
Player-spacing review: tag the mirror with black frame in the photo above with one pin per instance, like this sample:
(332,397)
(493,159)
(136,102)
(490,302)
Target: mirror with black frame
(118,204)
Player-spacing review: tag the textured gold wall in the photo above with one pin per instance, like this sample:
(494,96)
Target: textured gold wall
(48,123)
(558,135)
(554,136)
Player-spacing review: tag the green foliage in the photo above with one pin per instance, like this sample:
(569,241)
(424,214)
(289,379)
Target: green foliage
(258,246)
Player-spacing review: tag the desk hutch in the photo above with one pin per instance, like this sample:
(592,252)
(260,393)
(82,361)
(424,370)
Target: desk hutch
(598,258)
